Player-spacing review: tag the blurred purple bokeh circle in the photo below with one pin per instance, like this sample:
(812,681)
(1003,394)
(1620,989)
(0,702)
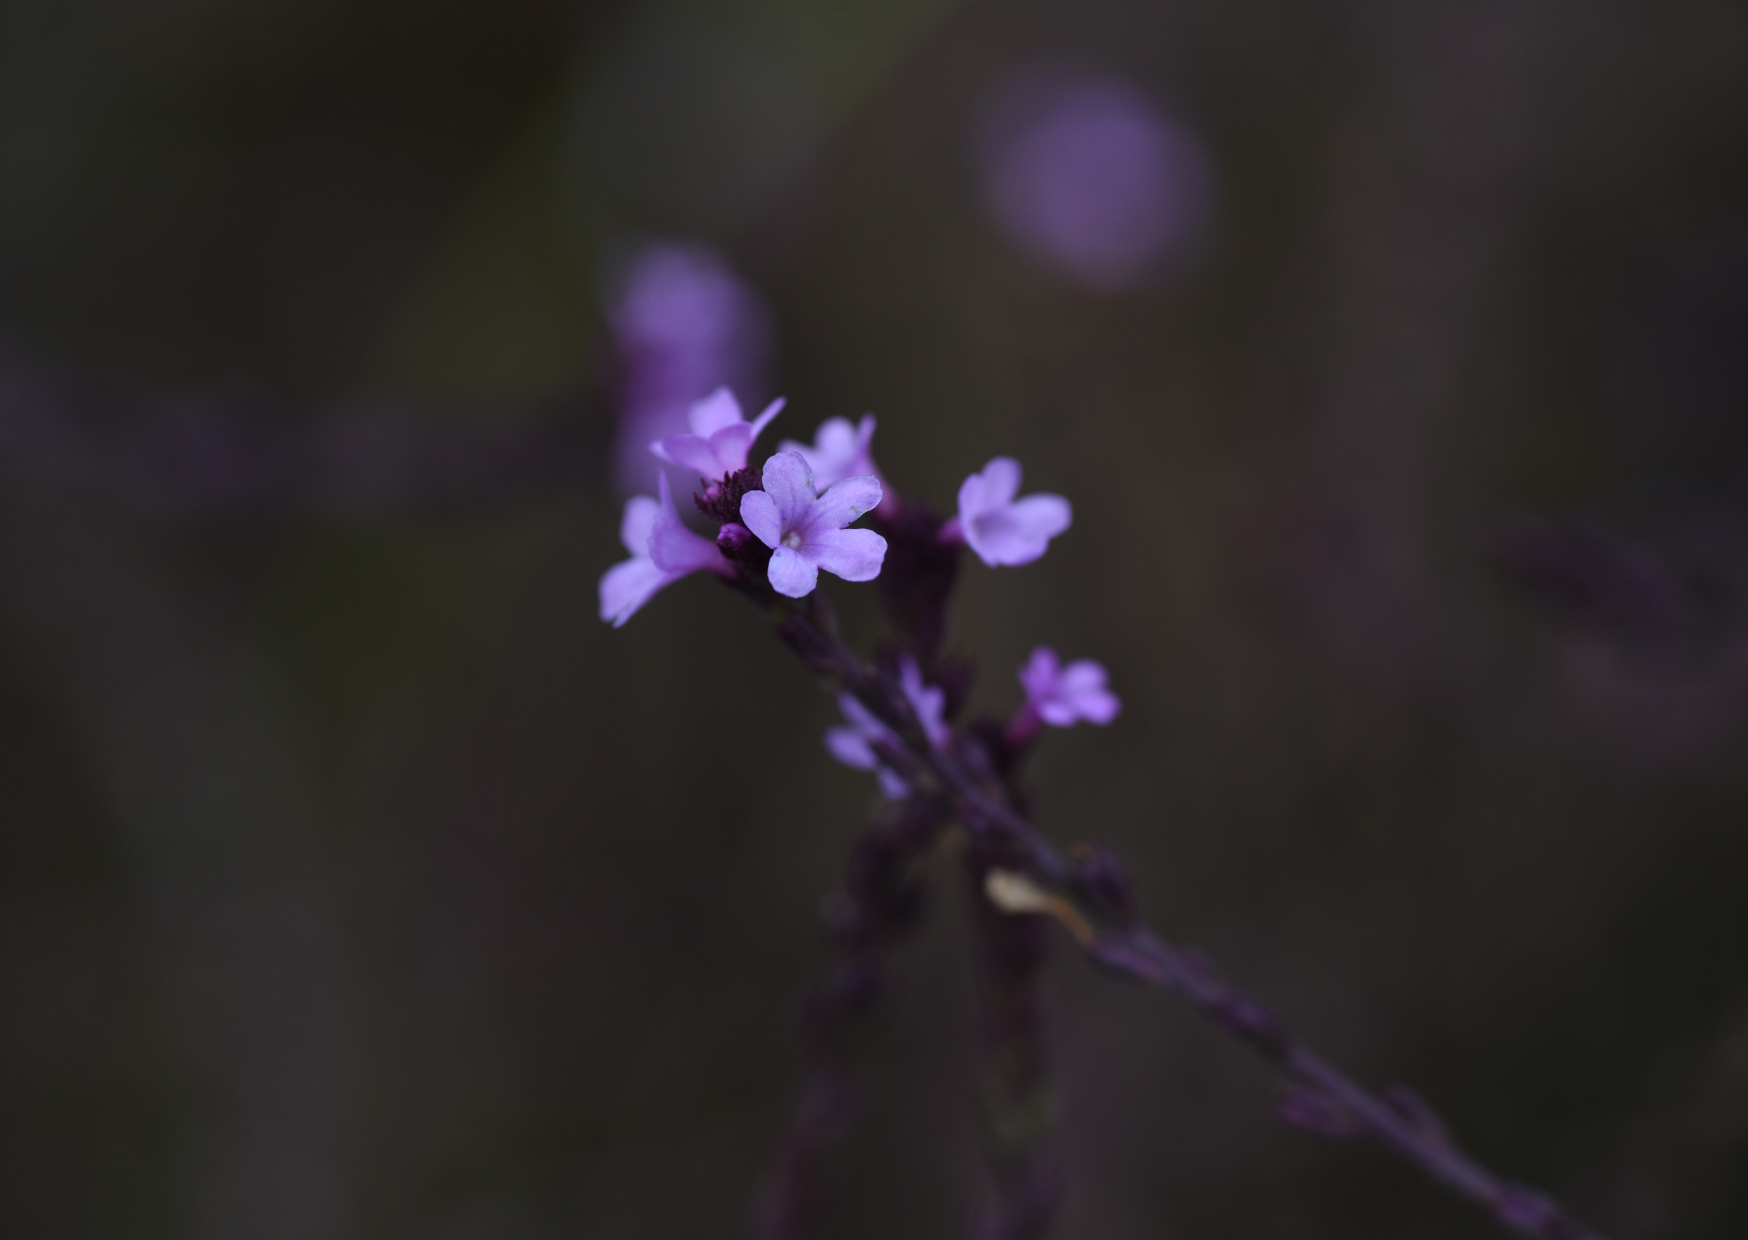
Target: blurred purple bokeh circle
(1088,177)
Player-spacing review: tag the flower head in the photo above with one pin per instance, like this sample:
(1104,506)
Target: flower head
(853,745)
(717,446)
(1001,529)
(805,530)
(839,450)
(1062,696)
(662,552)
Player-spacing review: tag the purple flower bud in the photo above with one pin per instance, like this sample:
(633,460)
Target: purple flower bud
(733,538)
(1063,696)
(805,530)
(662,551)
(720,437)
(999,528)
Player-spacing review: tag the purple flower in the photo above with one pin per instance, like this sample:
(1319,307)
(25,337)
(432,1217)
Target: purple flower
(839,450)
(928,701)
(662,552)
(717,446)
(683,324)
(854,745)
(999,528)
(1062,696)
(805,531)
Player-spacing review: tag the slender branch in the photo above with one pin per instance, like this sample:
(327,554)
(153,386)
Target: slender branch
(1091,898)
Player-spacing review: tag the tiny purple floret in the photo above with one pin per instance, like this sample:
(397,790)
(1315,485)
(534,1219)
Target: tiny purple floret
(839,450)
(805,530)
(1063,696)
(853,745)
(720,438)
(662,552)
(1000,528)
(928,701)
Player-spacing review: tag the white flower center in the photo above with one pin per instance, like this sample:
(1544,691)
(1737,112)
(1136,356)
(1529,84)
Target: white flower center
(792,540)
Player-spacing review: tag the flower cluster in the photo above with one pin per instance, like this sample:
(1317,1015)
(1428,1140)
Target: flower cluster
(782,523)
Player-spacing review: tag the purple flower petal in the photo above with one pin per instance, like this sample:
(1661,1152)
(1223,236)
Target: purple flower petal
(851,748)
(842,503)
(638,523)
(891,784)
(627,586)
(1039,675)
(995,486)
(689,452)
(789,482)
(730,445)
(1042,516)
(839,450)
(758,512)
(1017,533)
(792,574)
(764,419)
(715,411)
(676,549)
(854,555)
(928,701)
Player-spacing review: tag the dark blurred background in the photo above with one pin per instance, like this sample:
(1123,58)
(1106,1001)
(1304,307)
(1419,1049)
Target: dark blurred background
(357,881)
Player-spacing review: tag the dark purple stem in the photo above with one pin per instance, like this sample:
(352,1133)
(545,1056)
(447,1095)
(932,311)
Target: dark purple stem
(880,904)
(1092,899)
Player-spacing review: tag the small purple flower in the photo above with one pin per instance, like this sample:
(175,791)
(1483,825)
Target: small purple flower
(717,446)
(999,528)
(1063,696)
(662,552)
(928,701)
(839,450)
(805,530)
(683,324)
(854,745)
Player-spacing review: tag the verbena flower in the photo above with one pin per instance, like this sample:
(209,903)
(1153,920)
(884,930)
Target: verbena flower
(1062,696)
(853,745)
(928,701)
(805,530)
(662,552)
(839,450)
(999,528)
(717,446)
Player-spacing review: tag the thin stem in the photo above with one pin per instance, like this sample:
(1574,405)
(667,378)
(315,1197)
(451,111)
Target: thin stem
(1092,901)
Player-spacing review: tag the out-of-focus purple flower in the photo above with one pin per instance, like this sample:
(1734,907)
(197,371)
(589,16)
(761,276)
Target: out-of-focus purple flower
(839,450)
(683,325)
(719,439)
(1000,528)
(853,745)
(662,552)
(805,530)
(1085,175)
(928,701)
(1062,696)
